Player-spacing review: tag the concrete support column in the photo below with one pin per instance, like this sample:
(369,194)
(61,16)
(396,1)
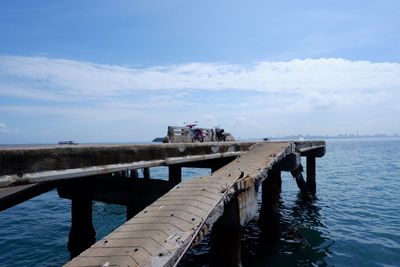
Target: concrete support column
(311,183)
(301,184)
(175,174)
(269,213)
(270,194)
(82,234)
(134,174)
(225,237)
(146,173)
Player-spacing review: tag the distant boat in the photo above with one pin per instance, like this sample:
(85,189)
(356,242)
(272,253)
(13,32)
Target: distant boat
(67,143)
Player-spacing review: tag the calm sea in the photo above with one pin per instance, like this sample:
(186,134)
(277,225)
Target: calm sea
(354,221)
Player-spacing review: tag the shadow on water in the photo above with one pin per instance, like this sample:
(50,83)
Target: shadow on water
(289,236)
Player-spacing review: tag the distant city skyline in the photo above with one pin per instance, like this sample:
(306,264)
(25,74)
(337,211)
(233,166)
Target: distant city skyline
(96,71)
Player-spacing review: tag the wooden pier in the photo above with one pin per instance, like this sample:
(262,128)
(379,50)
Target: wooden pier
(164,218)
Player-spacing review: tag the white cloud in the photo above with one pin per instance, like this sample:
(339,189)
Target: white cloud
(22,91)
(247,99)
(308,75)
(306,84)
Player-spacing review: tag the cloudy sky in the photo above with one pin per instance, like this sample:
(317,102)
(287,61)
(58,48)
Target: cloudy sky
(121,71)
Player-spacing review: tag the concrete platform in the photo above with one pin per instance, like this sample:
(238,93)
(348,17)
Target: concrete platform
(11,196)
(160,234)
(25,165)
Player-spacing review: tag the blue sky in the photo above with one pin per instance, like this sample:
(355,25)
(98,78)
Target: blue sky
(121,71)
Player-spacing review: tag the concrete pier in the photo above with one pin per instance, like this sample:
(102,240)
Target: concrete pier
(164,218)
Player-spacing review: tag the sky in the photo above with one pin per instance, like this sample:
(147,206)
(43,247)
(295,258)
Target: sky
(122,71)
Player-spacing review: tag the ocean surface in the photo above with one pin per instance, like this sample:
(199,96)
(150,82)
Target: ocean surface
(354,220)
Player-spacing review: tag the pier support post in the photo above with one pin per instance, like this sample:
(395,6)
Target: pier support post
(269,213)
(312,185)
(146,173)
(175,174)
(225,237)
(301,184)
(82,234)
(134,174)
(270,194)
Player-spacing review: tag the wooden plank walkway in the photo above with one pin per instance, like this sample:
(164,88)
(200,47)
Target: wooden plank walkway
(161,233)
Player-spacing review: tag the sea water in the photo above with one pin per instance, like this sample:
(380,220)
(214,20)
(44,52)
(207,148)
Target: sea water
(354,220)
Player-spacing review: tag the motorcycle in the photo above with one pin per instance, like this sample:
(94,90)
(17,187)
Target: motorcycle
(195,133)
(219,134)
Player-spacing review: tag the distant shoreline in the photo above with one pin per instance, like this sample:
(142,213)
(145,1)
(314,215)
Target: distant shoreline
(295,137)
(281,138)
(300,137)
